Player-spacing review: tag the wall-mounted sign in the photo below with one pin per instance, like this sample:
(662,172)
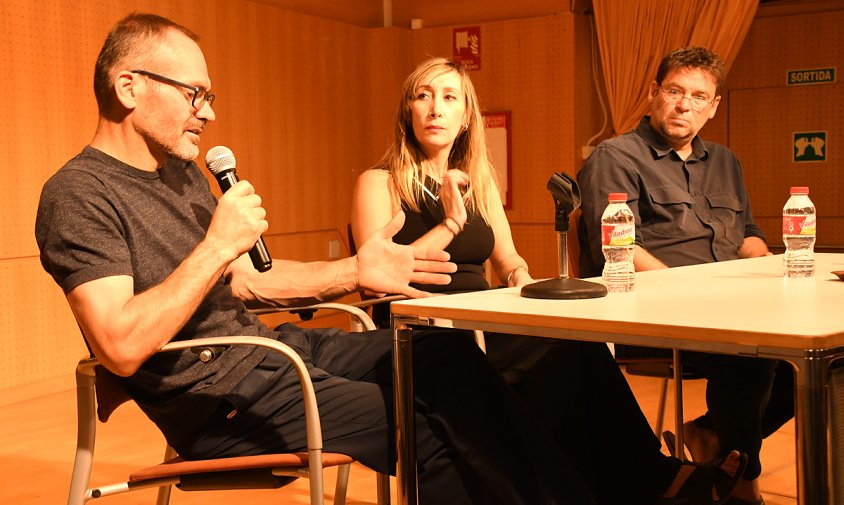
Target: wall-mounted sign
(466,46)
(810,146)
(497,128)
(811,76)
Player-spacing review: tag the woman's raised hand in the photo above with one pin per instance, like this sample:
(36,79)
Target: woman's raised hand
(451,194)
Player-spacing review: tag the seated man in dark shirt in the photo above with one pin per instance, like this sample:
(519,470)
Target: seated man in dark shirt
(691,206)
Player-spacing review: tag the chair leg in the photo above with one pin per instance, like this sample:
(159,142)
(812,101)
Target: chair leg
(163,495)
(86,436)
(660,414)
(164,491)
(382,489)
(342,484)
(480,340)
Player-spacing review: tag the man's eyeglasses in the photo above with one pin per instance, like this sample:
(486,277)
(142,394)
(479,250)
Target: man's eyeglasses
(200,95)
(674,96)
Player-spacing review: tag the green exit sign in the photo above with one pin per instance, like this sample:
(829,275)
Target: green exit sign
(810,146)
(811,76)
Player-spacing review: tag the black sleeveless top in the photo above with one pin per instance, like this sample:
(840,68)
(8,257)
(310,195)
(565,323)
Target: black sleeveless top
(469,250)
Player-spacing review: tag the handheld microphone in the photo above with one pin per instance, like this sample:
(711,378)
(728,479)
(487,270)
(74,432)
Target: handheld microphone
(220,161)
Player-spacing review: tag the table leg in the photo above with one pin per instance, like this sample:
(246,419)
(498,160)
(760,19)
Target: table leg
(812,425)
(679,437)
(406,476)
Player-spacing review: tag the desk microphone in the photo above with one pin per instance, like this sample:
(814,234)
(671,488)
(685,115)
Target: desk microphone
(220,161)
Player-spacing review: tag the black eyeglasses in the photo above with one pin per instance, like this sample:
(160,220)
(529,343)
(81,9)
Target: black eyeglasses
(200,95)
(673,96)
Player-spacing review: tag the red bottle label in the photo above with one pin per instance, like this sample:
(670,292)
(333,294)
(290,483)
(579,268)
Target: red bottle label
(618,234)
(799,225)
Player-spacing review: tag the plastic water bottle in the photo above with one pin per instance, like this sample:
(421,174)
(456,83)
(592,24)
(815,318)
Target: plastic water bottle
(799,225)
(617,238)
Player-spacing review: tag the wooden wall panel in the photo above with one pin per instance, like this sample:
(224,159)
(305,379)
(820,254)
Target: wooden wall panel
(528,70)
(38,335)
(306,246)
(41,93)
(715,130)
(48,115)
(537,243)
(370,13)
(775,45)
(367,13)
(444,12)
(764,137)
(291,100)
(389,66)
(763,114)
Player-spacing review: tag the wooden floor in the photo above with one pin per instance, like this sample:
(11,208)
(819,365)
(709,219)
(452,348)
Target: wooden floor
(37,440)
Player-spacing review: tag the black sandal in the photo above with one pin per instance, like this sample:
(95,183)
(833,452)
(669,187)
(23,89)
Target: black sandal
(697,489)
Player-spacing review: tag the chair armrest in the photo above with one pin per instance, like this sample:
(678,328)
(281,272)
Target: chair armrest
(375,301)
(87,409)
(311,410)
(305,313)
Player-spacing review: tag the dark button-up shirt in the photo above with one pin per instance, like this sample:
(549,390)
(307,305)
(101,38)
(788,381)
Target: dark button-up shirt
(687,211)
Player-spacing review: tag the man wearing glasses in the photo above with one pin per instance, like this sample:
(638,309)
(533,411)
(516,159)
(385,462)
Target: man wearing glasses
(691,206)
(145,254)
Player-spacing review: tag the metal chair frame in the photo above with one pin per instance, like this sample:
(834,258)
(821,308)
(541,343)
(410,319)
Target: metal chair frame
(275,470)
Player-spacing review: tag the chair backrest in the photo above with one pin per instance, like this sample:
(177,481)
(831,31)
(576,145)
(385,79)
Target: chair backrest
(110,394)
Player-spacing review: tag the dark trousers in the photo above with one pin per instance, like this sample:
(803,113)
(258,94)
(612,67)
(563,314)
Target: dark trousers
(748,399)
(581,397)
(476,440)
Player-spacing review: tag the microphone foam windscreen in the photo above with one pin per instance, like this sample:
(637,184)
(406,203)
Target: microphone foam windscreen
(219,158)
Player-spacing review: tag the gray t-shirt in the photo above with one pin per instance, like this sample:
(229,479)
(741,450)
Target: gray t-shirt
(99,217)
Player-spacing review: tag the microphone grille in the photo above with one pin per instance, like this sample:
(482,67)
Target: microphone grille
(219,159)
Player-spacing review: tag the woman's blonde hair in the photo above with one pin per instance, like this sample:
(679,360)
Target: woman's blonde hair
(409,165)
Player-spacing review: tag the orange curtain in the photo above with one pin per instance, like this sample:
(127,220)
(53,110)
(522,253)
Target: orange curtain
(634,35)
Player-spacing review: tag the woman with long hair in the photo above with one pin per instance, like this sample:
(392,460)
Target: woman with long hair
(438,172)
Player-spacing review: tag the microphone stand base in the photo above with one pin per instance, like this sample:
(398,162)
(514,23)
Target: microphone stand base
(563,288)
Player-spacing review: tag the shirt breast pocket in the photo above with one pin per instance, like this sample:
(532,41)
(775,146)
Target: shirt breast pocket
(672,209)
(728,210)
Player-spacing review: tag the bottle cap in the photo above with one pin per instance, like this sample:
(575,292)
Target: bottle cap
(799,190)
(617,197)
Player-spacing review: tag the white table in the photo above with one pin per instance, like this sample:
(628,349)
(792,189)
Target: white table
(742,307)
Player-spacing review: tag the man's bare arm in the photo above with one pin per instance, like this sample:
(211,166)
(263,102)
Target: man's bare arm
(380,266)
(644,260)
